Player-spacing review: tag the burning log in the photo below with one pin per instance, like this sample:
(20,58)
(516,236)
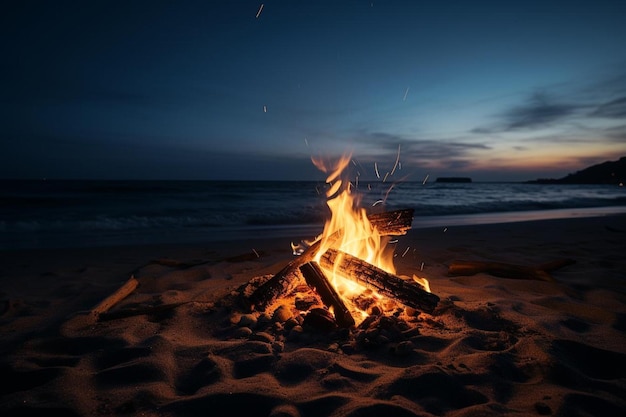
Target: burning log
(388,223)
(407,292)
(281,283)
(316,278)
(392,223)
(505,270)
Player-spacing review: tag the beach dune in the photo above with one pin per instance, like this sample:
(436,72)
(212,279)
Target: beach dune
(180,345)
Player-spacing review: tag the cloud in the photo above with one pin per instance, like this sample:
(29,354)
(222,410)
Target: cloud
(616,134)
(615,109)
(417,155)
(386,144)
(575,103)
(539,111)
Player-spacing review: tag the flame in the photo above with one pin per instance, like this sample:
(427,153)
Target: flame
(348,228)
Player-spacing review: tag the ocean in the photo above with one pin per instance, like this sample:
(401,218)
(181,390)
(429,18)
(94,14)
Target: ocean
(56,214)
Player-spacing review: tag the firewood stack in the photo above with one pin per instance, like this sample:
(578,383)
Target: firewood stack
(406,292)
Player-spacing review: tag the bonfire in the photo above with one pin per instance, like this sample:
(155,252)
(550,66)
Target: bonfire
(350,265)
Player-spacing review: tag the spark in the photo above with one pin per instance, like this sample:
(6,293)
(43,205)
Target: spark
(445,229)
(388,191)
(397,161)
(377,202)
(422,266)
(386,175)
(425,179)
(259,12)
(406,250)
(406,93)
(264,109)
(393,241)
(376,169)
(256,253)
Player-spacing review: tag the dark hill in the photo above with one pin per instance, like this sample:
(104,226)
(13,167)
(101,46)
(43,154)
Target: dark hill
(609,172)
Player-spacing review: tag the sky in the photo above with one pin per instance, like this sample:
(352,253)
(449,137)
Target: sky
(251,90)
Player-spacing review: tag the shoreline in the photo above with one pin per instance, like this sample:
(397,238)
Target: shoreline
(230,235)
(478,219)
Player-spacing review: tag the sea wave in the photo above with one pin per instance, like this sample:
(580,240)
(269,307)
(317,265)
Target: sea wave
(41,213)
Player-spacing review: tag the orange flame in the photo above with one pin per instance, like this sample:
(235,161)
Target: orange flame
(348,228)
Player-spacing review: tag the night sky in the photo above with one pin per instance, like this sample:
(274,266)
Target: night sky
(220,90)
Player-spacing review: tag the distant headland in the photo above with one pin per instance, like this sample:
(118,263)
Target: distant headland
(453,179)
(609,172)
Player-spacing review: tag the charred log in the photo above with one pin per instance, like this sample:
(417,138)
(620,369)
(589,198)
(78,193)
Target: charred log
(316,278)
(392,223)
(407,292)
(282,283)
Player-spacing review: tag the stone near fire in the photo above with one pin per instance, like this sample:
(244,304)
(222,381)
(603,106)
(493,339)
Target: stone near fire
(403,348)
(295,333)
(320,319)
(284,410)
(242,332)
(304,303)
(282,314)
(262,337)
(248,320)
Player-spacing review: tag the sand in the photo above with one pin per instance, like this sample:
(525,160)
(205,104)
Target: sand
(494,346)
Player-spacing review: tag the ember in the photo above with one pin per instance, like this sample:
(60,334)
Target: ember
(350,265)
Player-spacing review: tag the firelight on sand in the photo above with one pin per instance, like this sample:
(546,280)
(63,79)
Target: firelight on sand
(349,230)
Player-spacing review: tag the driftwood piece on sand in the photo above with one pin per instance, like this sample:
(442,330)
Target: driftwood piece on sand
(388,223)
(407,292)
(139,311)
(316,278)
(121,293)
(506,270)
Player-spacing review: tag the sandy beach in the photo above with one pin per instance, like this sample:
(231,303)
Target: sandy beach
(179,346)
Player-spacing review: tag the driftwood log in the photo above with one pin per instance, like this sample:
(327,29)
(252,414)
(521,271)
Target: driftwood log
(316,278)
(506,270)
(390,223)
(407,292)
(139,311)
(121,293)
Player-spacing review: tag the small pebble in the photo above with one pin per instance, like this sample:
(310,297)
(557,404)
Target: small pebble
(278,347)
(403,348)
(242,332)
(348,348)
(295,333)
(262,337)
(284,410)
(248,320)
(282,314)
